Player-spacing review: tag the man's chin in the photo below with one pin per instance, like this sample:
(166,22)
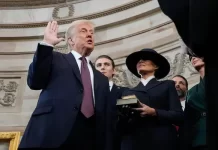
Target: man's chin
(89,49)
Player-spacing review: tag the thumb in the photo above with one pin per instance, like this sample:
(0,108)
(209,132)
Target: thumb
(141,104)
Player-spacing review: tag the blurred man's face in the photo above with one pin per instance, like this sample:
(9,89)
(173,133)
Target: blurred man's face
(105,66)
(181,86)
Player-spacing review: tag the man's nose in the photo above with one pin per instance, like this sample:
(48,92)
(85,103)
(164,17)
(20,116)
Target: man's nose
(89,34)
(102,67)
(177,85)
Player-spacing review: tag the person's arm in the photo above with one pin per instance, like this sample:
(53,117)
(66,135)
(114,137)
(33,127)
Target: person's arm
(175,113)
(40,68)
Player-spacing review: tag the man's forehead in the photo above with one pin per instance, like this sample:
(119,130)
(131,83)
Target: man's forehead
(85,26)
(103,60)
(178,79)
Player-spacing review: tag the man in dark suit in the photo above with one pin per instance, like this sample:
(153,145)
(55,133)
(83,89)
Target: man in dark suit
(106,66)
(196,22)
(72,107)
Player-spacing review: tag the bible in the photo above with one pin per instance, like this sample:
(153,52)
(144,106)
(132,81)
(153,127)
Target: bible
(125,105)
(127,100)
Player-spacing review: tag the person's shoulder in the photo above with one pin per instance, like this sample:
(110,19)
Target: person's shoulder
(99,76)
(192,89)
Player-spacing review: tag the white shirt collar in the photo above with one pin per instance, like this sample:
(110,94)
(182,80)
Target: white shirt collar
(111,84)
(145,81)
(78,56)
(183,105)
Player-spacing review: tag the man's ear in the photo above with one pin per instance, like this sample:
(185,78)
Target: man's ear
(114,72)
(70,41)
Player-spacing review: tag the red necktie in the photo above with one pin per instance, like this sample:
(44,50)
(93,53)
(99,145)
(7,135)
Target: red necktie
(87,107)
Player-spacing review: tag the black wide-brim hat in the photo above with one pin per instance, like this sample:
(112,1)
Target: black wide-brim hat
(148,54)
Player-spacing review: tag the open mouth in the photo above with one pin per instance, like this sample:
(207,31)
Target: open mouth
(89,41)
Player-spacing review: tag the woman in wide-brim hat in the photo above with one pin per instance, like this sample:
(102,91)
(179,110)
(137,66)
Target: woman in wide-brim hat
(152,123)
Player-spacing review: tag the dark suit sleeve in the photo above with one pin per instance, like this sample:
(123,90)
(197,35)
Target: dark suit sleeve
(39,69)
(175,113)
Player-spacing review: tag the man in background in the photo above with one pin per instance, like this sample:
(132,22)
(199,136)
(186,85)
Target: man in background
(106,66)
(181,85)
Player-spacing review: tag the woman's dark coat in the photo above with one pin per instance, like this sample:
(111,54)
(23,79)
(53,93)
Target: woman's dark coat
(159,132)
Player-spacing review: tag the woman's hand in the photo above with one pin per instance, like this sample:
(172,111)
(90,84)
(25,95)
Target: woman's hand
(145,110)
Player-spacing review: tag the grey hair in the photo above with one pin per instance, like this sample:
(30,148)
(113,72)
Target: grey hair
(69,32)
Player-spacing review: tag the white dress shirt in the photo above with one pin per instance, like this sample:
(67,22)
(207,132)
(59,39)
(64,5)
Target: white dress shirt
(111,84)
(183,105)
(77,57)
(145,81)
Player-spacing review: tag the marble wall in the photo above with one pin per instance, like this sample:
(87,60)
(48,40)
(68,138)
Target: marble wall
(65,10)
(122,27)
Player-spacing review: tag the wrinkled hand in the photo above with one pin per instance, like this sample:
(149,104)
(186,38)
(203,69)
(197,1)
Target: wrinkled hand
(145,110)
(50,34)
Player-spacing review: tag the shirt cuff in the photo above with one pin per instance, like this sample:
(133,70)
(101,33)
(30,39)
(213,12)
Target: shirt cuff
(46,44)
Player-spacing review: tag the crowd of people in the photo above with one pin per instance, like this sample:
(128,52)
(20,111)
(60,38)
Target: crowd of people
(77,106)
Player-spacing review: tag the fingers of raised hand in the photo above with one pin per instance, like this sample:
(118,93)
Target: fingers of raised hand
(53,26)
(48,25)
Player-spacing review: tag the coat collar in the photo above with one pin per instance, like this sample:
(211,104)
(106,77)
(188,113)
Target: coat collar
(72,61)
(151,84)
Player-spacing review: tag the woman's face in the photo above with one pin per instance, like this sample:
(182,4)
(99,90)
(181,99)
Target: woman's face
(145,66)
(197,63)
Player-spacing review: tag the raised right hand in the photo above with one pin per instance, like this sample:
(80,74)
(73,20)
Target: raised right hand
(50,34)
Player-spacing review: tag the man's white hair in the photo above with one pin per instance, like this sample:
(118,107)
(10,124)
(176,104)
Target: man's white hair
(69,33)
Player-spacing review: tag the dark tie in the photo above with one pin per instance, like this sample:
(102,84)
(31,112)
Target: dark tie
(87,107)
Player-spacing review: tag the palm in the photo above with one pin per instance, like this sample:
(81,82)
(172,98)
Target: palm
(50,35)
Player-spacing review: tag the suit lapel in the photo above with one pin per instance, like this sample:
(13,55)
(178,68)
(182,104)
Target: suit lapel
(113,89)
(72,61)
(140,87)
(151,84)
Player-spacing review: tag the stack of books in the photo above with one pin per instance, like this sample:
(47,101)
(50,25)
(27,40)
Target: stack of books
(127,100)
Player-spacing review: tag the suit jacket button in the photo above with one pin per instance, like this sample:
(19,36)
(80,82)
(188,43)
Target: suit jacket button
(75,108)
(81,90)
